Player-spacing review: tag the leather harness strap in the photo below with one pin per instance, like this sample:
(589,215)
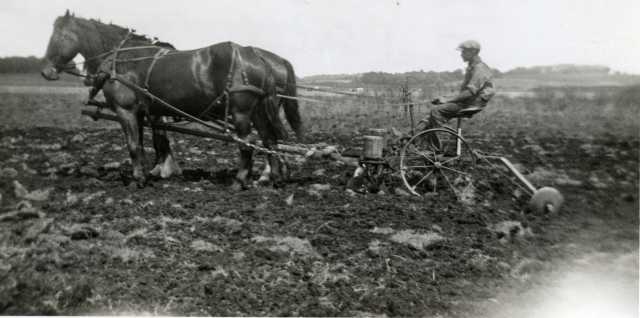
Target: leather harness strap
(156,57)
(115,52)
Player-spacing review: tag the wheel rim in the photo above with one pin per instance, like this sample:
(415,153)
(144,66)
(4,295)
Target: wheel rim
(429,163)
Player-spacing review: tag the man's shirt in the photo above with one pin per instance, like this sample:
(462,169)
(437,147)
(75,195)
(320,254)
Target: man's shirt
(477,79)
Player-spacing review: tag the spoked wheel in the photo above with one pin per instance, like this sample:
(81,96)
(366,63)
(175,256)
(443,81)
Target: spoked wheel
(437,160)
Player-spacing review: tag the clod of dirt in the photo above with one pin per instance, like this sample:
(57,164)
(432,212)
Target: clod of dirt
(537,149)
(468,195)
(54,146)
(366,314)
(319,172)
(47,239)
(382,230)
(508,230)
(112,165)
(525,268)
(71,198)
(195,151)
(480,261)
(5,267)
(113,235)
(23,205)
(39,226)
(37,195)
(8,173)
(517,193)
(82,232)
(417,241)
(566,180)
(332,273)
(320,187)
(19,190)
(24,211)
(203,246)
(92,196)
(232,224)
(401,192)
(596,182)
(75,295)
(374,248)
(289,200)
(314,193)
(78,138)
(590,149)
(287,244)
(89,171)
(61,158)
(27,169)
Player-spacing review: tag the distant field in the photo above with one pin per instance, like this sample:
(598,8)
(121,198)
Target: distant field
(28,100)
(37,80)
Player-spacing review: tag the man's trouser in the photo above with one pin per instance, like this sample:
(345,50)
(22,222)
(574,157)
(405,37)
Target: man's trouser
(441,114)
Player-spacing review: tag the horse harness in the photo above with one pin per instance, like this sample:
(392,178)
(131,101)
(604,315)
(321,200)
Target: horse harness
(229,87)
(231,84)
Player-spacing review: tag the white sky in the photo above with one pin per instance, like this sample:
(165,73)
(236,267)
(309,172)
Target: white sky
(350,36)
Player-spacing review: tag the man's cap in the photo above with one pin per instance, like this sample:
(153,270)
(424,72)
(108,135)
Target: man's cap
(470,44)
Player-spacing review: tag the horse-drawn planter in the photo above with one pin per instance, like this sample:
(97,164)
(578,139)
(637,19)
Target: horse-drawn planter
(224,90)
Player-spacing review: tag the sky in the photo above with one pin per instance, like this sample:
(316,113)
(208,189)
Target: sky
(354,36)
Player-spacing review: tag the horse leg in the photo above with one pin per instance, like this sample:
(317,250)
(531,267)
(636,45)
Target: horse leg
(274,169)
(130,120)
(242,105)
(243,129)
(165,164)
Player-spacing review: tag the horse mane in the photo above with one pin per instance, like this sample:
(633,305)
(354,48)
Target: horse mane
(109,35)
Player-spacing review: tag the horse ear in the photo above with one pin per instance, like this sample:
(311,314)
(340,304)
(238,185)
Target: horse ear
(66,14)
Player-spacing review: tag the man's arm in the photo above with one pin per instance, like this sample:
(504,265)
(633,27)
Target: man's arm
(463,95)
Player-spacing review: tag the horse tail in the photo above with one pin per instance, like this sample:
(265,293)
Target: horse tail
(290,106)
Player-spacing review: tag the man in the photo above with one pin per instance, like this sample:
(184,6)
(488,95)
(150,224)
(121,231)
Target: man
(476,90)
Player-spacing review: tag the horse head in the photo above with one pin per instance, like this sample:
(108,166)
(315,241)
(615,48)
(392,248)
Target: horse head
(64,45)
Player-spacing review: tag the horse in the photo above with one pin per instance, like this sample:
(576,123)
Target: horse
(93,40)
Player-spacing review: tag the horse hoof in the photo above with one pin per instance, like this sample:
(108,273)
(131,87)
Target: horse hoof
(263,181)
(155,171)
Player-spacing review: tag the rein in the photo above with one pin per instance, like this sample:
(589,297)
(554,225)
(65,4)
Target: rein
(69,67)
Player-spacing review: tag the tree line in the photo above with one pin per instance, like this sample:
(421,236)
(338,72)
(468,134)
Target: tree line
(19,64)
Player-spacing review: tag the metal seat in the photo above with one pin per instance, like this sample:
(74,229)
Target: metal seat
(468,112)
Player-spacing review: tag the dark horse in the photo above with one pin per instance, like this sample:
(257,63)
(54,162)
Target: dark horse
(94,40)
(191,80)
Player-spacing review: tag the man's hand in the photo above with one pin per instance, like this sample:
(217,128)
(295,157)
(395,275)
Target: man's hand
(439,100)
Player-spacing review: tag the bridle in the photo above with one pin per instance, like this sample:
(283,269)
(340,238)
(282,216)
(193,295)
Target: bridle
(70,67)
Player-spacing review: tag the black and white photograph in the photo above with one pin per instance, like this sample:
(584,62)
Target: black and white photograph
(320,158)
